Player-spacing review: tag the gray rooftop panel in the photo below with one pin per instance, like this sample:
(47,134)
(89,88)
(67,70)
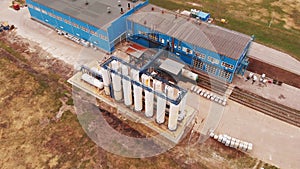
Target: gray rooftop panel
(171,66)
(211,37)
(95,13)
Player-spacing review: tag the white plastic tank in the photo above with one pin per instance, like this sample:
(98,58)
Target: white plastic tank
(117,86)
(127,91)
(183,103)
(160,110)
(189,74)
(173,116)
(96,70)
(216,137)
(92,81)
(149,96)
(106,80)
(138,98)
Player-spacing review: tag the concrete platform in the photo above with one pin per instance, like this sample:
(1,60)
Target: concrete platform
(139,117)
(285,94)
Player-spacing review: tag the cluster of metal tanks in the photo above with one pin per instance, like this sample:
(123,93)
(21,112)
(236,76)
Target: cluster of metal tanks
(127,86)
(232,142)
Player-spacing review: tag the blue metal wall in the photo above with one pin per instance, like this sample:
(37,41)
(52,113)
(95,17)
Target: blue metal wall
(118,27)
(141,34)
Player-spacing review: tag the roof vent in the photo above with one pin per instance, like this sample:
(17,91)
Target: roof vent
(119,3)
(86,2)
(108,10)
(145,22)
(128,6)
(162,11)
(152,9)
(122,11)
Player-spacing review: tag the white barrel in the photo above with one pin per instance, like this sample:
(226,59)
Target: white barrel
(106,80)
(220,138)
(138,98)
(250,147)
(173,116)
(216,137)
(92,81)
(117,87)
(160,110)
(149,96)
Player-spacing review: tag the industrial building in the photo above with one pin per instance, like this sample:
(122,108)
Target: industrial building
(100,22)
(205,47)
(143,85)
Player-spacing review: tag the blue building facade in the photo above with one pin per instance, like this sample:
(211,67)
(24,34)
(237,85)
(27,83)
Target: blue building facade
(103,38)
(201,59)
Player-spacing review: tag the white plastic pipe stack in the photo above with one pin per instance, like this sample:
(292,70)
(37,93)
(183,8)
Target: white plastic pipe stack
(92,81)
(116,82)
(106,80)
(127,91)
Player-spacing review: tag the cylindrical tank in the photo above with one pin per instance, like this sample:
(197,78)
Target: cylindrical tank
(92,81)
(160,110)
(149,96)
(127,91)
(106,80)
(173,116)
(138,98)
(117,87)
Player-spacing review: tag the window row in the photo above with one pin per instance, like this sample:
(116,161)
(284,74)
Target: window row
(227,65)
(213,60)
(198,64)
(85,29)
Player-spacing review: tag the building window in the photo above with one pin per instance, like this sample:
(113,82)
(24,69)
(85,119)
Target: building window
(94,33)
(103,37)
(227,65)
(162,40)
(75,25)
(44,12)
(213,60)
(153,36)
(143,33)
(52,15)
(59,18)
(67,21)
(211,69)
(225,74)
(84,29)
(200,55)
(198,64)
(38,9)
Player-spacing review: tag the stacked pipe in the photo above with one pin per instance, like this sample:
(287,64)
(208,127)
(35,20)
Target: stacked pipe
(209,95)
(232,142)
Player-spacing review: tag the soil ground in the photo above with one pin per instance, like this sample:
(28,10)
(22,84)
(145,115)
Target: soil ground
(34,91)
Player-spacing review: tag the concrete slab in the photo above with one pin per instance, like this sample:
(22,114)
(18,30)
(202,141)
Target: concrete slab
(274,141)
(285,94)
